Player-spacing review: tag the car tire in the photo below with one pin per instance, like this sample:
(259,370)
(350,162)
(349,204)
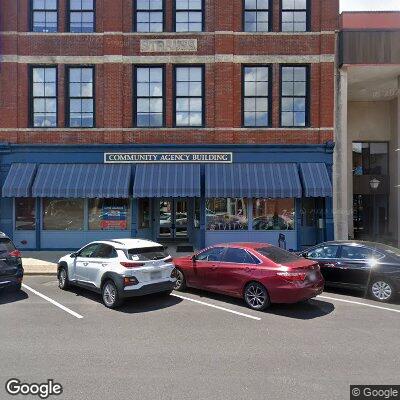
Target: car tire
(63,282)
(381,289)
(18,287)
(256,296)
(180,284)
(110,295)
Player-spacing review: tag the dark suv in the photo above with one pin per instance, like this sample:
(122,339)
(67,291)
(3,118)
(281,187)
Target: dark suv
(11,271)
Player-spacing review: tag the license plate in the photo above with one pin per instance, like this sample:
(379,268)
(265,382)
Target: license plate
(155,275)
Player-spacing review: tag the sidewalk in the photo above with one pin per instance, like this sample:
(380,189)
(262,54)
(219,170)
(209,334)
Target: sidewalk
(45,262)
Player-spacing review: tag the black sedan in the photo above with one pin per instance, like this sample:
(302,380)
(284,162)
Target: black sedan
(373,268)
(11,271)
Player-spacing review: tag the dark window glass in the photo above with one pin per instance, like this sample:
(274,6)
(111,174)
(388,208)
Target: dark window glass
(81,99)
(6,246)
(323,252)
(256,93)
(189,96)
(277,255)
(294,15)
(274,214)
(63,214)
(149,16)
(294,99)
(147,254)
(212,254)
(81,16)
(44,97)
(358,253)
(227,214)
(105,251)
(144,213)
(44,15)
(188,16)
(256,16)
(370,158)
(89,251)
(25,214)
(149,97)
(238,256)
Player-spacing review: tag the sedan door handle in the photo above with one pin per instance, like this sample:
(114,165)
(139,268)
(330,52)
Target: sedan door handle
(213,267)
(85,264)
(104,265)
(329,265)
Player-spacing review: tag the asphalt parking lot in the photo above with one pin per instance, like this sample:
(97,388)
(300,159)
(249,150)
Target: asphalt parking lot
(210,348)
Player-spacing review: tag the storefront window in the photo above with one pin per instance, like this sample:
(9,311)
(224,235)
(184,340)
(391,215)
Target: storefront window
(144,213)
(197,208)
(273,214)
(63,214)
(370,158)
(25,215)
(109,214)
(226,214)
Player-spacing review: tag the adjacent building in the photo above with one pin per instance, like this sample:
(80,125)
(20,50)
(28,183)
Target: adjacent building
(185,121)
(367,162)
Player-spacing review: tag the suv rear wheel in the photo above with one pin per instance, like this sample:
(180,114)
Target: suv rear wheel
(110,295)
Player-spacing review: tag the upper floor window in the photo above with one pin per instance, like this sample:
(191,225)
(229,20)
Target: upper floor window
(294,96)
(370,158)
(44,15)
(189,96)
(188,15)
(149,16)
(81,99)
(256,15)
(256,96)
(44,97)
(81,16)
(149,96)
(294,15)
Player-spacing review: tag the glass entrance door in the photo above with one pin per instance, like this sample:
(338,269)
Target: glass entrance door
(173,222)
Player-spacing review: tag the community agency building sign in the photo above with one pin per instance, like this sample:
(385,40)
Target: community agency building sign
(118,158)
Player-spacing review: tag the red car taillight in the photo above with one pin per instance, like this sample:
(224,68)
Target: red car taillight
(130,264)
(15,253)
(130,280)
(292,276)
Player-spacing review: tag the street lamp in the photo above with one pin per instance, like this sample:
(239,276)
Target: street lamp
(374,183)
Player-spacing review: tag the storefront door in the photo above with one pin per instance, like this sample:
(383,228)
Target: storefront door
(312,213)
(173,219)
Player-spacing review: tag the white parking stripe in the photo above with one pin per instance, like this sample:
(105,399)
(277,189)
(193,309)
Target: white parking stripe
(217,307)
(66,309)
(359,303)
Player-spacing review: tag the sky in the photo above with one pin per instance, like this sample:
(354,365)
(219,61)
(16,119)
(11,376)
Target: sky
(369,5)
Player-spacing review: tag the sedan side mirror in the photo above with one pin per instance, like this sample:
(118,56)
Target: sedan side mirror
(74,255)
(194,258)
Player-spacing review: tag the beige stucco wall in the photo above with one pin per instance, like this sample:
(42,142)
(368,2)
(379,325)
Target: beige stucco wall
(375,121)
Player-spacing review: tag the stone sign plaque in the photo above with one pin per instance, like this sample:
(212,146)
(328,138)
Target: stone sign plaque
(168,45)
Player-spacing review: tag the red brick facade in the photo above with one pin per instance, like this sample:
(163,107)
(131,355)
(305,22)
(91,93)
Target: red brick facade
(114,45)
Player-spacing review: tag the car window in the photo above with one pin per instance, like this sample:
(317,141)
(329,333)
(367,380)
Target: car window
(238,256)
(278,255)
(213,254)
(88,251)
(6,246)
(105,251)
(147,253)
(323,252)
(358,253)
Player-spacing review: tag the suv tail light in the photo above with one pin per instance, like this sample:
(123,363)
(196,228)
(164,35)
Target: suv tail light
(292,276)
(131,264)
(15,253)
(168,259)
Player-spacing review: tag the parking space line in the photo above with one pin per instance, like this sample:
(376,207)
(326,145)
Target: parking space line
(217,307)
(359,303)
(66,309)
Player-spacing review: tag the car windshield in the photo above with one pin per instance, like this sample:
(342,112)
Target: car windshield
(147,253)
(6,246)
(277,255)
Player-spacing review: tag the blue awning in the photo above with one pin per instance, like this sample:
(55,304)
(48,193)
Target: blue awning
(19,180)
(82,181)
(315,179)
(253,180)
(167,180)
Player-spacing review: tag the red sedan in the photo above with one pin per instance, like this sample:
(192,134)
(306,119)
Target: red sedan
(259,273)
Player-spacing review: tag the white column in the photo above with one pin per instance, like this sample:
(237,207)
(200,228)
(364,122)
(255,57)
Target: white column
(396,178)
(340,164)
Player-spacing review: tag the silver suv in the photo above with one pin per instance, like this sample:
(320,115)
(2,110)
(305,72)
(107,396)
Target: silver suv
(118,269)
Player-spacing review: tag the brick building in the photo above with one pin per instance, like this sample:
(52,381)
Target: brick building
(195,121)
